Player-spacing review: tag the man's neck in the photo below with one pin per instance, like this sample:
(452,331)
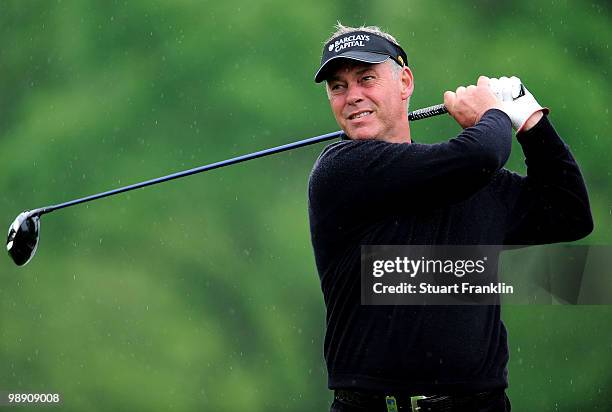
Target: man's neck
(401,135)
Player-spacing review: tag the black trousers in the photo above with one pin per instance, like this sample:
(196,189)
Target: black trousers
(497,402)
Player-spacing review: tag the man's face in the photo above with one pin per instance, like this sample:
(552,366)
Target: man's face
(369,100)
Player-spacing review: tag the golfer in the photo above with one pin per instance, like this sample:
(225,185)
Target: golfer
(378,187)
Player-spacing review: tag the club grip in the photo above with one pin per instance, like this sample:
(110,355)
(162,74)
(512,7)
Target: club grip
(426,112)
(438,109)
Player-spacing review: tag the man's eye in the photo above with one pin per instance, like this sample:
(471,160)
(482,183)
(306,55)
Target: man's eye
(336,87)
(368,77)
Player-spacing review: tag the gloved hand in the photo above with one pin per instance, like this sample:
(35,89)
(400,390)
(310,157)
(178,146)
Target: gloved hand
(518,109)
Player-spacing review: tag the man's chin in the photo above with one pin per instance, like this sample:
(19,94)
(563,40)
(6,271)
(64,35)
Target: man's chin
(360,134)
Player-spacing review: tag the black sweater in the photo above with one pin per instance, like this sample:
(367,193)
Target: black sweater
(455,192)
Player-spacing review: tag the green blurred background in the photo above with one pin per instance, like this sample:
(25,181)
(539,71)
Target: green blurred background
(202,294)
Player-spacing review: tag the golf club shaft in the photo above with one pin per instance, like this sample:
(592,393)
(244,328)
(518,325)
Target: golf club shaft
(416,115)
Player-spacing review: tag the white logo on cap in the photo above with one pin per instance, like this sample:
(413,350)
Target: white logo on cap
(349,41)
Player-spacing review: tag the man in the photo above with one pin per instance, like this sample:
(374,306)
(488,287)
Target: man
(378,187)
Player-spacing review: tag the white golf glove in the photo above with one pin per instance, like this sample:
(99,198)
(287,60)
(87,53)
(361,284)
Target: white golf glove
(518,108)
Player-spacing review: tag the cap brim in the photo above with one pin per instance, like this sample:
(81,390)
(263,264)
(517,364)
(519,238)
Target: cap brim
(366,57)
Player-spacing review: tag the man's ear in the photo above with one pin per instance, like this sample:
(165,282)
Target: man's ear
(407,83)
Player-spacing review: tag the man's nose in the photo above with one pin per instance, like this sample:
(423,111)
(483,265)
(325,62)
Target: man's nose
(353,94)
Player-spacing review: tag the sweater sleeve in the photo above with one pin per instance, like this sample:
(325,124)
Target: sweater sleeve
(368,174)
(551,203)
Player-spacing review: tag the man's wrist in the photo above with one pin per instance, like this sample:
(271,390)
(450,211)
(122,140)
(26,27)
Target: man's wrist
(500,110)
(532,121)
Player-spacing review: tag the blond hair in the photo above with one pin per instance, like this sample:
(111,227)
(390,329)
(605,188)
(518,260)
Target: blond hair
(342,30)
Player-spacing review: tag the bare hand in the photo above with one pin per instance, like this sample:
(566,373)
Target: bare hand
(468,104)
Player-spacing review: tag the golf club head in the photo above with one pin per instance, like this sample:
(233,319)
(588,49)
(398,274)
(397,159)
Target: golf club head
(23,236)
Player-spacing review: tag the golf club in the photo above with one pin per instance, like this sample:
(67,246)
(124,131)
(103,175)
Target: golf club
(24,232)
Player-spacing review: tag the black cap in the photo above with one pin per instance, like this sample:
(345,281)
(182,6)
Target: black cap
(362,46)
